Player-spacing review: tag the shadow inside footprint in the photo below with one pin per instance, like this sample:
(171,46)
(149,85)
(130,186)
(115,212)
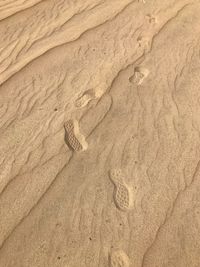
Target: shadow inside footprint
(139,75)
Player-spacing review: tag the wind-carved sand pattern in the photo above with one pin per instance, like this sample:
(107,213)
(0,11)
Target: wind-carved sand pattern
(86,97)
(139,75)
(118,258)
(74,139)
(123,196)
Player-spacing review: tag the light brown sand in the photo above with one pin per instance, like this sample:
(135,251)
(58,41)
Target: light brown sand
(128,73)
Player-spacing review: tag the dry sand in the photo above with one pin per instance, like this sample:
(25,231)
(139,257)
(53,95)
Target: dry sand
(99,133)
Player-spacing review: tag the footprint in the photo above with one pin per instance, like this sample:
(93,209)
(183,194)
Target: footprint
(74,139)
(87,97)
(144,42)
(123,196)
(151,19)
(139,75)
(118,258)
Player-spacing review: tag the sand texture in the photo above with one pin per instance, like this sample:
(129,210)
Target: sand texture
(99,133)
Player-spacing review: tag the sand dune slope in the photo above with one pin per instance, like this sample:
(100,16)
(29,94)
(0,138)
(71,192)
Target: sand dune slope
(99,133)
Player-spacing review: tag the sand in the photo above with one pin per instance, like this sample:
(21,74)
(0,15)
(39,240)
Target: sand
(99,133)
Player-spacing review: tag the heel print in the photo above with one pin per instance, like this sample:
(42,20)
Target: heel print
(118,258)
